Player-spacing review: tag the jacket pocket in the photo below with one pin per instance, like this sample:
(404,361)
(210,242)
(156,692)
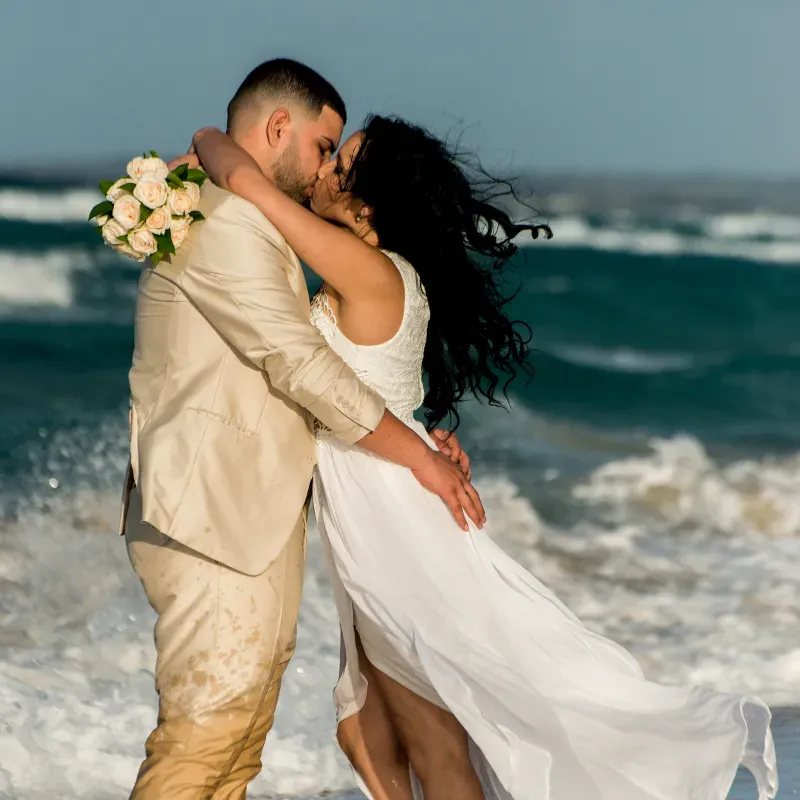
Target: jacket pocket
(212,415)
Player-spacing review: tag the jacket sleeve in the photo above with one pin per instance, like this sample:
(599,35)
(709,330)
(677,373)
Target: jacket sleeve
(237,279)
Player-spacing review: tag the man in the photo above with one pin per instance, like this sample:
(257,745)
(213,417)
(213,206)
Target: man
(227,375)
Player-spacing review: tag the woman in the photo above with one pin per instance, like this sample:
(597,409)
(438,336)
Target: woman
(457,662)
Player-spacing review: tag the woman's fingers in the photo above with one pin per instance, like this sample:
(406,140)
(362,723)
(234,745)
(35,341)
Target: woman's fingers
(187,158)
(443,448)
(475,499)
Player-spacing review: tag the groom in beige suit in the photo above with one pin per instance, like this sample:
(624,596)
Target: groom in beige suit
(228,374)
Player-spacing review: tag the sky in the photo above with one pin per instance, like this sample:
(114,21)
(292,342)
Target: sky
(654,86)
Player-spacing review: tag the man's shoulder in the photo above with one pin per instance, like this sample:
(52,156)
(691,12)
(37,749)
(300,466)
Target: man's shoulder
(228,208)
(231,225)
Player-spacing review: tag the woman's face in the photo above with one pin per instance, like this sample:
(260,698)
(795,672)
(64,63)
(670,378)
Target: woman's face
(328,200)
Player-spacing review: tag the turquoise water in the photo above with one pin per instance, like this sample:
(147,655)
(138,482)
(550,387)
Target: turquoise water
(650,474)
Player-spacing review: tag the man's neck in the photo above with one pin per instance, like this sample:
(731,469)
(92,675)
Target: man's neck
(248,143)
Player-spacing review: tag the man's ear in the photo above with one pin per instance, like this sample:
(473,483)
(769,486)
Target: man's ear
(278,126)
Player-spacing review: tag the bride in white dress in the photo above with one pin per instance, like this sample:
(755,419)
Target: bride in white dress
(462,675)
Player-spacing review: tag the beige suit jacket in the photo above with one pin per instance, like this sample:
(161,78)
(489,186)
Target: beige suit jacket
(227,374)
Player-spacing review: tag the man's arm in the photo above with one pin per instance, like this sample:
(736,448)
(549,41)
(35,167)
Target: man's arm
(437,472)
(237,279)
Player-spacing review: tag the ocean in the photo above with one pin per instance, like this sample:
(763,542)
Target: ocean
(650,472)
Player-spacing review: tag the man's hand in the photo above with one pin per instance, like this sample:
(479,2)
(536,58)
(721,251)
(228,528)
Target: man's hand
(438,474)
(396,442)
(448,444)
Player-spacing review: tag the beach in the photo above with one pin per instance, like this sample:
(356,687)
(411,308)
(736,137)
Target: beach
(649,474)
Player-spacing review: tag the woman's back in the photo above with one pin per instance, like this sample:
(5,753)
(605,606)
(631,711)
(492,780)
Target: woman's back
(394,367)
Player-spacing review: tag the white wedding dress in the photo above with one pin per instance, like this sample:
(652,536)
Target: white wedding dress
(553,711)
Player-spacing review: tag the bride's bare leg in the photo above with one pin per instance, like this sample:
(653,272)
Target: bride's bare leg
(436,743)
(372,746)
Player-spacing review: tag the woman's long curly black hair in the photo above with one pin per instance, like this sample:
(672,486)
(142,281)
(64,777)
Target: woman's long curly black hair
(425,207)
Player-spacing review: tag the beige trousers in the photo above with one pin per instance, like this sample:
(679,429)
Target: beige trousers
(223,641)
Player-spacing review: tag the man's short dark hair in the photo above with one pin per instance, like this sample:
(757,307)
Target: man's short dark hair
(284,80)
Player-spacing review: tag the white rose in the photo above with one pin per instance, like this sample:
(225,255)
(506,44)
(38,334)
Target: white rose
(155,166)
(100,221)
(126,211)
(151,190)
(142,166)
(116,191)
(180,230)
(135,168)
(142,241)
(194,192)
(126,250)
(112,230)
(182,201)
(159,220)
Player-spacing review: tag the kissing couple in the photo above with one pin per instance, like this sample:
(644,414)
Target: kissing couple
(462,676)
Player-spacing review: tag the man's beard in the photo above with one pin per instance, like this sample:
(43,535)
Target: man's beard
(289,176)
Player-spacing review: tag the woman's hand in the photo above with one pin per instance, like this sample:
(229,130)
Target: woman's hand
(188,158)
(440,475)
(227,164)
(448,444)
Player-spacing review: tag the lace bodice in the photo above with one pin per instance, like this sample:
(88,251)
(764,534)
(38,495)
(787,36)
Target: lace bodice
(393,368)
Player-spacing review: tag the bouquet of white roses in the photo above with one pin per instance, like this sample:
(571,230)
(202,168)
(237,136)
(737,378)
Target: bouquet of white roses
(148,212)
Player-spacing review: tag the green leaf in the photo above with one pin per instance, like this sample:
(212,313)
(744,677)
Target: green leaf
(123,238)
(154,154)
(128,187)
(174,181)
(196,216)
(196,176)
(155,258)
(181,171)
(106,207)
(144,213)
(165,245)
(105,186)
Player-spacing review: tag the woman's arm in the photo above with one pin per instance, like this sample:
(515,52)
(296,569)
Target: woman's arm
(352,267)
